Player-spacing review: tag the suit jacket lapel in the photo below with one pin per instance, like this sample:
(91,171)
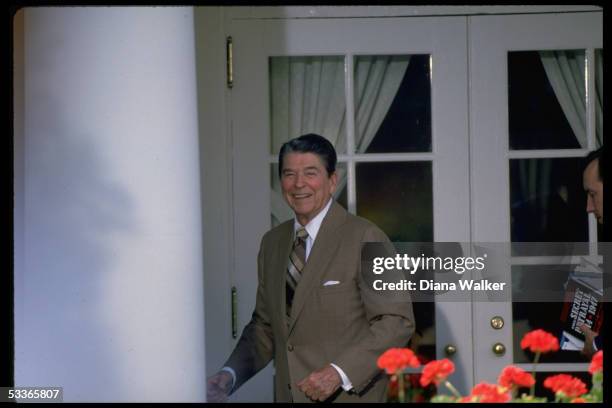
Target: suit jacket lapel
(280,269)
(320,255)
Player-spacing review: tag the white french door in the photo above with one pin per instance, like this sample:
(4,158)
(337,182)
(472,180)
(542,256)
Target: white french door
(439,43)
(520,162)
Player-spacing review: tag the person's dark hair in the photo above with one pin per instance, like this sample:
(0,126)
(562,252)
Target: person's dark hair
(595,155)
(310,143)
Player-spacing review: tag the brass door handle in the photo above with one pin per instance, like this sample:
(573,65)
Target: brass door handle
(450,349)
(499,349)
(497,322)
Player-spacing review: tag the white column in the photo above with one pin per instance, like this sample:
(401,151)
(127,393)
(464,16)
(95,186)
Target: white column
(108,270)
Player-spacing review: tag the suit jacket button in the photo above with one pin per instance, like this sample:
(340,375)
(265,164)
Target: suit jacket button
(290,347)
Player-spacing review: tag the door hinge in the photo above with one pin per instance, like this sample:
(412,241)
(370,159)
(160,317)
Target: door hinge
(234,313)
(229,54)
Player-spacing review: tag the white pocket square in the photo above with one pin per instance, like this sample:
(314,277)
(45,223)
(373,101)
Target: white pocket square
(329,283)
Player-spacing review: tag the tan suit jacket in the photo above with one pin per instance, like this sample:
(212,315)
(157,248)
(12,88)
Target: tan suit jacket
(340,324)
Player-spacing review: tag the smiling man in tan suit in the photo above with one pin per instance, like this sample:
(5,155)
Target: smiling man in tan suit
(313,314)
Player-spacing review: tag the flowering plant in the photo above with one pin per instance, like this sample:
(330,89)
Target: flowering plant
(394,361)
(567,388)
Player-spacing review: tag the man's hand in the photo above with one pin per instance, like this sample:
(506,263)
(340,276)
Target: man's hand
(218,386)
(319,385)
(589,335)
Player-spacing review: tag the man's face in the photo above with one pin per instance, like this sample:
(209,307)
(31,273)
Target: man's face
(594,189)
(306,185)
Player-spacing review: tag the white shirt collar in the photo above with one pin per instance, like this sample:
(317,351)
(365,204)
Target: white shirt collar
(315,224)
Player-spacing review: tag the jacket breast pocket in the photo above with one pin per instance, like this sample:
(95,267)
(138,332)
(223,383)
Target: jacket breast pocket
(337,301)
(341,313)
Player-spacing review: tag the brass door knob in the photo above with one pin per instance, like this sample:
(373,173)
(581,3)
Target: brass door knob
(497,322)
(450,349)
(499,349)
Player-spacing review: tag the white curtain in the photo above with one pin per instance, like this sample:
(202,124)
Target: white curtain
(599,97)
(308,96)
(566,73)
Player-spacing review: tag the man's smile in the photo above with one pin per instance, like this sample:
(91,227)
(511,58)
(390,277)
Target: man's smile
(301,196)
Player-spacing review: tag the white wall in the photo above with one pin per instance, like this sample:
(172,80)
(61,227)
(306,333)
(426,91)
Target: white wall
(108,265)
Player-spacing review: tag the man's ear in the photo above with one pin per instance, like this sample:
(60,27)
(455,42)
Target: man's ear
(333,179)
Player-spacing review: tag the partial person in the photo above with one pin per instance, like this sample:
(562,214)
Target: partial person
(592,181)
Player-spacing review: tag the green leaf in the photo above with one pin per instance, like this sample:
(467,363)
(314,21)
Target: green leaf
(528,398)
(442,398)
(598,378)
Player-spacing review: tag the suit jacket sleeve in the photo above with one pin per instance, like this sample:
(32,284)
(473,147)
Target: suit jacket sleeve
(598,340)
(254,349)
(391,321)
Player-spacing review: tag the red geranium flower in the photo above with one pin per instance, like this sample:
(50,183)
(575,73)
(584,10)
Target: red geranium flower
(512,376)
(596,362)
(396,359)
(570,386)
(490,393)
(436,371)
(540,340)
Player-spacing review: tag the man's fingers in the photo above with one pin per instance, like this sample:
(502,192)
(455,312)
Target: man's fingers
(216,397)
(217,387)
(312,391)
(586,330)
(222,379)
(213,393)
(306,388)
(304,381)
(305,385)
(319,385)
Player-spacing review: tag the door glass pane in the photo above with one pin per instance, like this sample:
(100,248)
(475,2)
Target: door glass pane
(392,103)
(599,70)
(423,341)
(547,201)
(281,211)
(307,96)
(547,99)
(400,202)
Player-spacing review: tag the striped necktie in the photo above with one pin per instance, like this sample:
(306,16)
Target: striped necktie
(297,259)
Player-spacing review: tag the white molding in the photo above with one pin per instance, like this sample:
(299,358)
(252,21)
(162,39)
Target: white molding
(288,12)
(546,154)
(554,367)
(215,167)
(551,260)
(377,157)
